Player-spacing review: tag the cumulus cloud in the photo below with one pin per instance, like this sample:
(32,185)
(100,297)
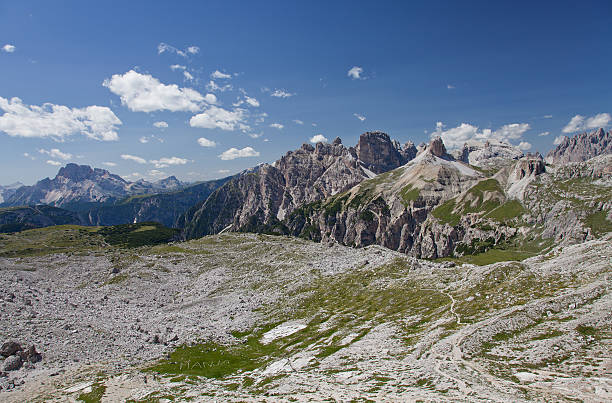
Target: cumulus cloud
(277,126)
(450,86)
(204,142)
(213,86)
(57,121)
(54,163)
(298,122)
(234,153)
(161,124)
(219,118)
(56,153)
(194,50)
(109,164)
(145,93)
(8,48)
(360,117)
(524,146)
(135,158)
(187,76)
(319,138)
(547,116)
(457,136)
(544,134)
(167,161)
(559,139)
(281,94)
(355,73)
(580,123)
(219,75)
(176,67)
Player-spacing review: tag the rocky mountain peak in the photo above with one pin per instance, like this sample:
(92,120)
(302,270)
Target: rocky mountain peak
(75,172)
(529,165)
(337,141)
(581,147)
(379,154)
(436,147)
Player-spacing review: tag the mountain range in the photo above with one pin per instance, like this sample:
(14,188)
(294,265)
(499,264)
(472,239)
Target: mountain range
(420,200)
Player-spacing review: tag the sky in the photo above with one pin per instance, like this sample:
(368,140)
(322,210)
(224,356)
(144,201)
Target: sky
(205,89)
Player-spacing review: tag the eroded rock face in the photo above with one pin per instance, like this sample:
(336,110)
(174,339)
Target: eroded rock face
(530,165)
(259,199)
(581,147)
(379,154)
(437,148)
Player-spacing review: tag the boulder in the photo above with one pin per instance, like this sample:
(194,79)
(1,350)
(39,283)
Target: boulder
(10,348)
(12,363)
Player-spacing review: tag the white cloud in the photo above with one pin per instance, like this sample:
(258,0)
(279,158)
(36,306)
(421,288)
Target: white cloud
(204,142)
(27,155)
(145,93)
(580,123)
(156,174)
(450,86)
(524,146)
(457,136)
(165,162)
(212,86)
(164,47)
(57,121)
(8,48)
(211,98)
(129,157)
(146,139)
(547,116)
(187,76)
(54,163)
(161,124)
(319,138)
(219,75)
(277,126)
(298,122)
(109,164)
(360,117)
(281,94)
(56,153)
(234,153)
(251,101)
(218,118)
(223,171)
(355,73)
(176,67)
(559,139)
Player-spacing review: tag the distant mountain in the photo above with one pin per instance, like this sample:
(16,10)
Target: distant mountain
(268,193)
(488,154)
(8,190)
(14,219)
(79,187)
(581,147)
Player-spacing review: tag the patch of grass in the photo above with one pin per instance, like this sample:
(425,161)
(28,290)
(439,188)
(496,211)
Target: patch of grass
(444,213)
(408,194)
(587,330)
(49,240)
(95,396)
(598,223)
(507,211)
(118,279)
(135,235)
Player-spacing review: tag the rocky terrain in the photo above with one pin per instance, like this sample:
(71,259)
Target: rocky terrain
(237,317)
(8,190)
(581,147)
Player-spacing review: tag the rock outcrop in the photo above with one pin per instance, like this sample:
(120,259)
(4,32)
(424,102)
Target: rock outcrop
(581,147)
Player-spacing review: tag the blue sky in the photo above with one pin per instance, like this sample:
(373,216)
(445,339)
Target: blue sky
(93,78)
